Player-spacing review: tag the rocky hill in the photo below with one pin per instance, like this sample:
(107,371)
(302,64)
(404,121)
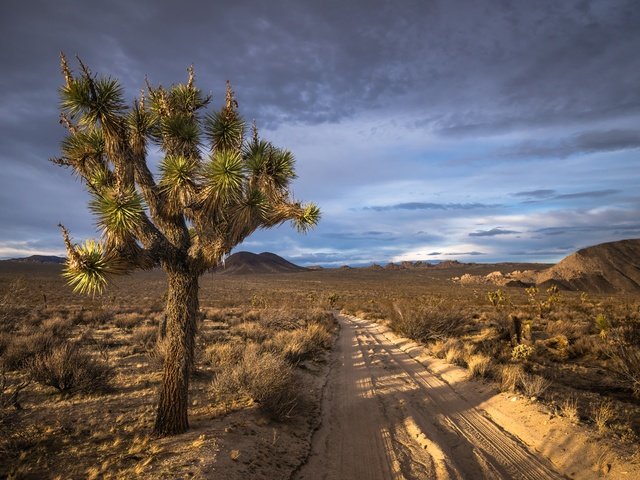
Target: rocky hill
(605,268)
(251,263)
(39,259)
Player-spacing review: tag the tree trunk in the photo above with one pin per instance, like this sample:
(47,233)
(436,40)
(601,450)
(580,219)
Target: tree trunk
(181,313)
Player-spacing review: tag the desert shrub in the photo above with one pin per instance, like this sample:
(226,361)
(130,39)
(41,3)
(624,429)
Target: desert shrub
(143,338)
(57,326)
(303,343)
(264,377)
(157,352)
(94,317)
(571,329)
(425,322)
(5,340)
(602,414)
(127,321)
(627,363)
(522,352)
(69,369)
(479,365)
(9,395)
(509,377)
(454,352)
(508,326)
(438,349)
(224,354)
(602,324)
(558,346)
(22,348)
(569,409)
(251,331)
(533,386)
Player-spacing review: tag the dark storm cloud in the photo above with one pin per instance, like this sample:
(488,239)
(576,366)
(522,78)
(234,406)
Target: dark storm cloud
(443,68)
(430,206)
(492,233)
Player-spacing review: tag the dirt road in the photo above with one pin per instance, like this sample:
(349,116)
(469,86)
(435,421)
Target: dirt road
(385,416)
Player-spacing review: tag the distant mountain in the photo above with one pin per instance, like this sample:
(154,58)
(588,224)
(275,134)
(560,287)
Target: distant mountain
(250,263)
(605,268)
(39,259)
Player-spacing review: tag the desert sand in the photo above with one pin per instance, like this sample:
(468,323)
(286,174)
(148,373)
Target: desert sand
(389,412)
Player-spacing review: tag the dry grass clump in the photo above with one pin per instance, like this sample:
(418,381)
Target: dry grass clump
(602,414)
(426,321)
(224,354)
(303,343)
(57,326)
(509,377)
(533,386)
(454,352)
(127,321)
(438,348)
(251,331)
(479,365)
(624,350)
(69,369)
(143,338)
(20,349)
(264,377)
(569,409)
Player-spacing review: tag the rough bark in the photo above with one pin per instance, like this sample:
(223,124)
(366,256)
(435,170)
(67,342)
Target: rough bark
(181,313)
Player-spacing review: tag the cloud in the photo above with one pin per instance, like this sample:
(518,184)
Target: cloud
(542,193)
(492,233)
(582,143)
(377,101)
(430,206)
(541,196)
(592,194)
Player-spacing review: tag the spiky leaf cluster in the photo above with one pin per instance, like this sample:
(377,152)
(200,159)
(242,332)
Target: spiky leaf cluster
(119,211)
(178,180)
(89,268)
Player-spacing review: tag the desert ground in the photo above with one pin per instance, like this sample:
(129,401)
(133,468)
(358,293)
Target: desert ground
(328,374)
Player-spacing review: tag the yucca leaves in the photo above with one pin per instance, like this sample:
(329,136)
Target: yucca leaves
(87,270)
(100,178)
(93,100)
(281,168)
(223,178)
(118,212)
(180,134)
(250,210)
(83,144)
(224,129)
(306,218)
(271,168)
(187,99)
(178,179)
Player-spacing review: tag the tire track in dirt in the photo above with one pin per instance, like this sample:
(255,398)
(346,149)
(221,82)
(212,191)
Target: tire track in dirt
(385,416)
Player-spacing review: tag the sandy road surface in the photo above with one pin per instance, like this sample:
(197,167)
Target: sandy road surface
(385,416)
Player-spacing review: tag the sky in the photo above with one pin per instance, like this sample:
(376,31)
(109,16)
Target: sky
(478,131)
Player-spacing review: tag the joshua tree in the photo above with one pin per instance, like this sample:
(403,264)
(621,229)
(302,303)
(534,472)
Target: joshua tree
(214,188)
